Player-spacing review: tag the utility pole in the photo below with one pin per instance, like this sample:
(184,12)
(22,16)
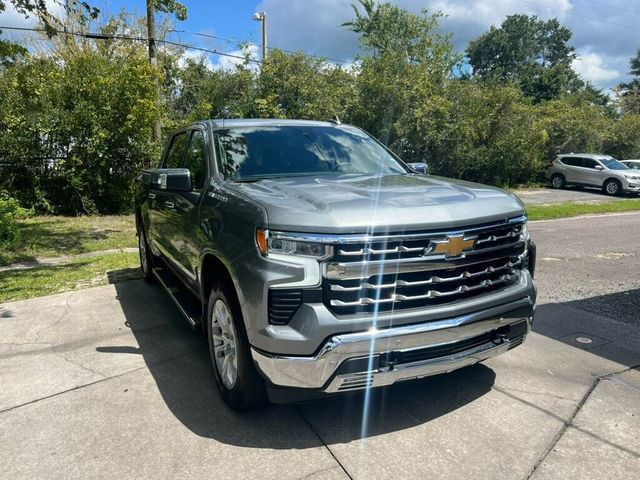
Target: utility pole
(262,17)
(153,59)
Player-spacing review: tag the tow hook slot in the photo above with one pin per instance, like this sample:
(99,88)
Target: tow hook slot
(387,361)
(500,338)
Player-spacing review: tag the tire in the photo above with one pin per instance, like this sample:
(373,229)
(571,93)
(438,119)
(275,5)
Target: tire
(147,259)
(612,187)
(558,181)
(240,385)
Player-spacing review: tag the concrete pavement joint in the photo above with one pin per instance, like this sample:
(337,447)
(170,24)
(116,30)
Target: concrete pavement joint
(323,443)
(569,422)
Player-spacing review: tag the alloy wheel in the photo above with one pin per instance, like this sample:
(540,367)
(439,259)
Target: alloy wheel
(223,335)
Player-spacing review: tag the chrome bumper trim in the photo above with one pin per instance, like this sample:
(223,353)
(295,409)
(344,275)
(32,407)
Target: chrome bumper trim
(316,371)
(415,370)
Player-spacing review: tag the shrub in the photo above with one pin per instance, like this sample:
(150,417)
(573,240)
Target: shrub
(10,212)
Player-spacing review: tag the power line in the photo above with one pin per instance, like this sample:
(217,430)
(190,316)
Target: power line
(238,41)
(569,12)
(102,36)
(606,5)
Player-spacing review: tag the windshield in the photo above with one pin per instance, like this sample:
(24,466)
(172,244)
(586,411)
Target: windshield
(252,153)
(613,164)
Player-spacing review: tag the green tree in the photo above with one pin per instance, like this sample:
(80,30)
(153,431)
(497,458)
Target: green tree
(299,86)
(483,131)
(629,92)
(77,126)
(78,9)
(574,124)
(406,62)
(531,52)
(10,52)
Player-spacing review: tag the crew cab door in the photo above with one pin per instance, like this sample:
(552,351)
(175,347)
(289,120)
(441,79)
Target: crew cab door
(163,221)
(189,236)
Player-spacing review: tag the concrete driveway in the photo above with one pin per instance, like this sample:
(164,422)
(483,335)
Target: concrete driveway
(110,382)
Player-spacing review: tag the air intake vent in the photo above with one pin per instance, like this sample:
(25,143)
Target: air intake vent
(284,302)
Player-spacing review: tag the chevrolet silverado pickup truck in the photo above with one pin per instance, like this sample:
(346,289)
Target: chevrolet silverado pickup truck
(316,262)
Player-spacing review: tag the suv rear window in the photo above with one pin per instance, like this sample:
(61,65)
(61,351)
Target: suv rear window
(572,161)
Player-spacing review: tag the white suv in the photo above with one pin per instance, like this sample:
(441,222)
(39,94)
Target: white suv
(592,170)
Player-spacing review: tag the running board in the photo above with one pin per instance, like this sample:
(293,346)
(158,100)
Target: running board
(188,304)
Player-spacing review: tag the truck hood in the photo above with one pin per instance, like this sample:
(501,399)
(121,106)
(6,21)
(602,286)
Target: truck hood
(360,203)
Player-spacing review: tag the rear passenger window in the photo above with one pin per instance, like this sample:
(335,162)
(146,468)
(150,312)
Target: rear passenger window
(572,161)
(196,160)
(176,151)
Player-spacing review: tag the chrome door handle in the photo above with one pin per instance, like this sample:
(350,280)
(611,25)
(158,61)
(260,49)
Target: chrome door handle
(152,195)
(169,204)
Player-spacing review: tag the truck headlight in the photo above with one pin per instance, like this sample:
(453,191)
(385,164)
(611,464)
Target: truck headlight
(282,244)
(526,236)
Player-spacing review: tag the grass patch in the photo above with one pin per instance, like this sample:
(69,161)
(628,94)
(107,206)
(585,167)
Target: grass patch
(87,272)
(49,236)
(561,210)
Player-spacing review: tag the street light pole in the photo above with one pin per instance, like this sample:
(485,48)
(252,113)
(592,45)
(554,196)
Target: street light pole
(262,17)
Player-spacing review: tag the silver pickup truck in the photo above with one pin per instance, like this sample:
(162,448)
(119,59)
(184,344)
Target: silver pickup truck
(316,262)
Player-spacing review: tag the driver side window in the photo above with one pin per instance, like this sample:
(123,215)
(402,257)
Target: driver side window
(176,151)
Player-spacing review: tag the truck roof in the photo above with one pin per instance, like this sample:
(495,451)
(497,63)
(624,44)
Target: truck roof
(264,122)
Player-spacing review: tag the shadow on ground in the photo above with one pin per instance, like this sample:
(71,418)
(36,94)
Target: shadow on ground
(185,380)
(609,323)
(184,376)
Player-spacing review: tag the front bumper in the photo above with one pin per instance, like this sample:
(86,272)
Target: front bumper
(379,357)
(632,187)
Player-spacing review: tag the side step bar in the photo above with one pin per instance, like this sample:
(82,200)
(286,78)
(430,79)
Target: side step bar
(188,305)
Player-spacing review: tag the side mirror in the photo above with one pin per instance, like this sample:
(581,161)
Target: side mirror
(599,167)
(177,179)
(419,167)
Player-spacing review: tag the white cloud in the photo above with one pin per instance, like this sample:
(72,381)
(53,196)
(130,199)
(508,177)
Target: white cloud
(11,18)
(196,56)
(313,26)
(590,66)
(228,63)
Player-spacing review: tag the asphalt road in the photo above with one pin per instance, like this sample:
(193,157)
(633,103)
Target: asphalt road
(109,382)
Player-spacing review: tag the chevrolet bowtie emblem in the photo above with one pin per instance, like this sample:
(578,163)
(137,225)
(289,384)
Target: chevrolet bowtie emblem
(453,246)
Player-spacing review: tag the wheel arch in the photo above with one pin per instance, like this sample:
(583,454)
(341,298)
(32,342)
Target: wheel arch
(212,270)
(612,178)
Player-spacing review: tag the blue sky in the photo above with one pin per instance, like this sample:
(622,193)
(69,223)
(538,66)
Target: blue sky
(606,32)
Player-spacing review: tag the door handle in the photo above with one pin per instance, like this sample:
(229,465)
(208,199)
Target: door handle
(152,195)
(169,204)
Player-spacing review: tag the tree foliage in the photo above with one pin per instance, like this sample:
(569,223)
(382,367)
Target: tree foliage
(531,52)
(78,9)
(77,119)
(629,92)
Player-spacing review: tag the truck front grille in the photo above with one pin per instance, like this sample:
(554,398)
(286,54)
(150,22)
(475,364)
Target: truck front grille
(404,271)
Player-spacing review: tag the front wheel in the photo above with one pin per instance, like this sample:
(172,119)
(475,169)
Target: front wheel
(612,187)
(240,385)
